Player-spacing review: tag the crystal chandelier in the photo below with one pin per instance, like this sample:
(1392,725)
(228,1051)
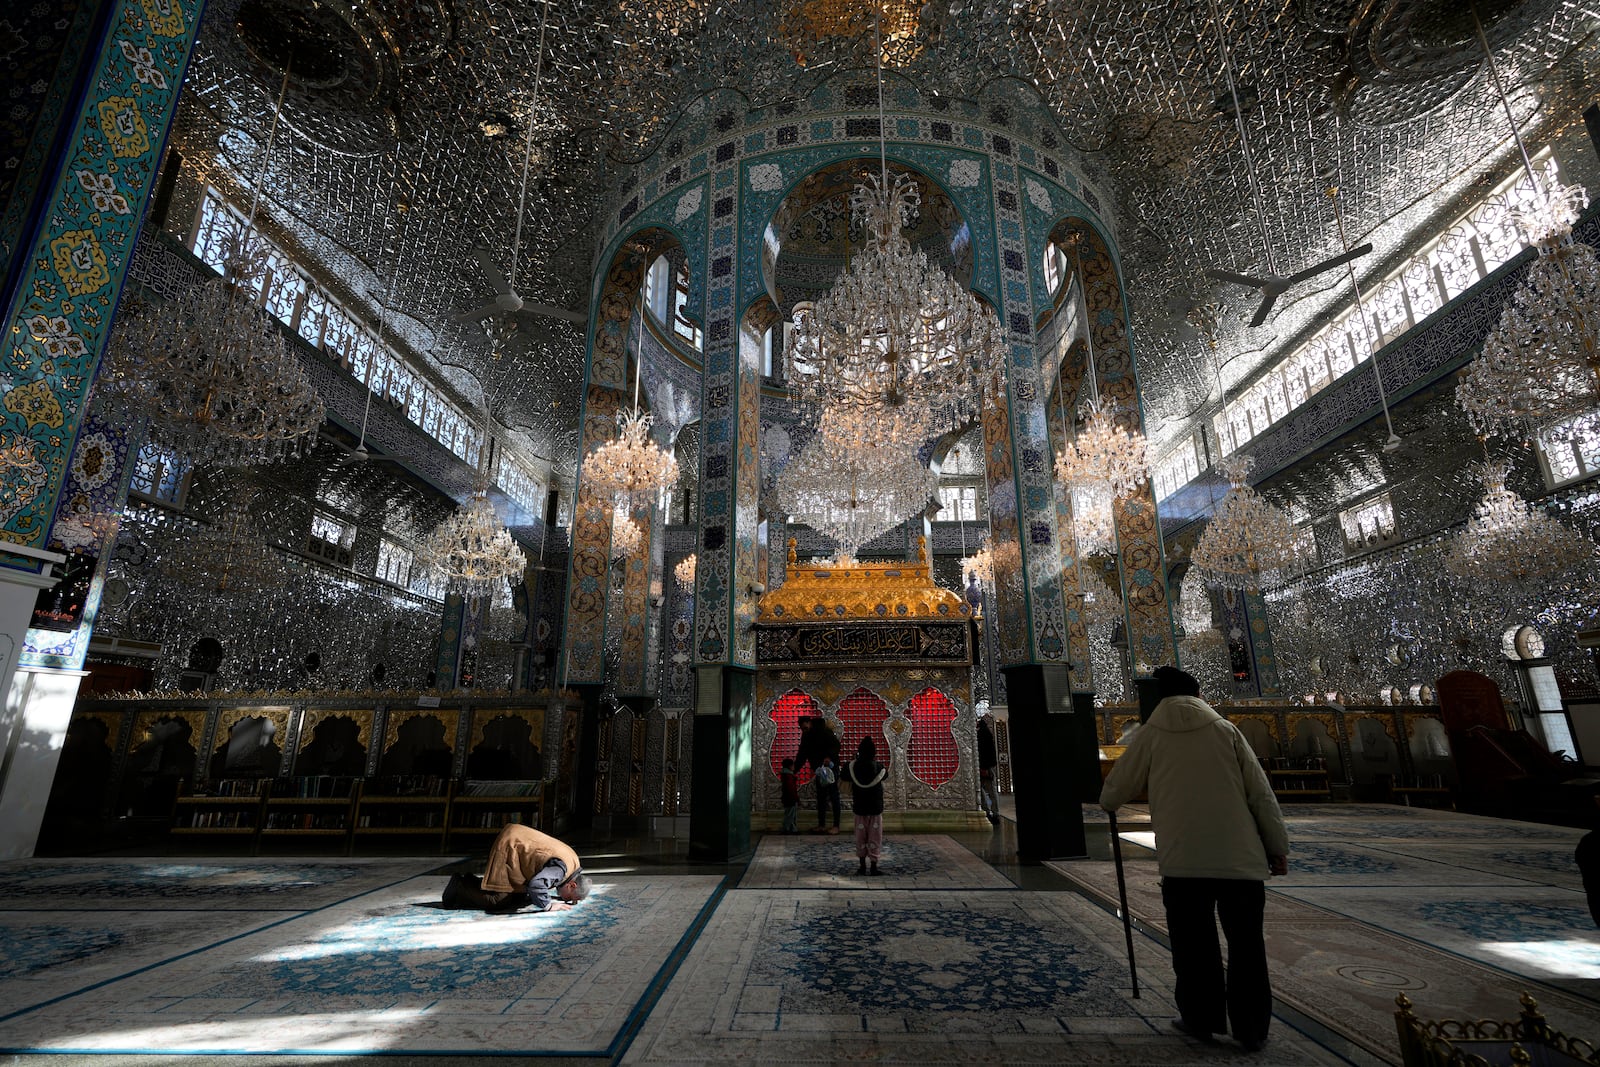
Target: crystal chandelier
(627,536)
(684,572)
(472,550)
(213,376)
(1539,364)
(1248,543)
(631,470)
(1506,542)
(852,492)
(979,566)
(1094,523)
(896,334)
(210,370)
(1101,455)
(227,560)
(1100,606)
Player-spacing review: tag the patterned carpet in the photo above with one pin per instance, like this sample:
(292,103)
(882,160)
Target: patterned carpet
(248,884)
(386,971)
(1459,912)
(924,861)
(923,977)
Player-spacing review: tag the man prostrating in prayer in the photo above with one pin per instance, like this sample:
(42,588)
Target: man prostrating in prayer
(526,869)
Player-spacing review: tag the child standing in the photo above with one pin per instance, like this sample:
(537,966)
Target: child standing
(791,798)
(827,783)
(866,800)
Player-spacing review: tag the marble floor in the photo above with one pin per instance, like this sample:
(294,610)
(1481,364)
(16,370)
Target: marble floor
(955,954)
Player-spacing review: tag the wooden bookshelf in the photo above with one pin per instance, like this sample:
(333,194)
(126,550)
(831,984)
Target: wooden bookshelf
(412,806)
(449,812)
(1300,783)
(481,808)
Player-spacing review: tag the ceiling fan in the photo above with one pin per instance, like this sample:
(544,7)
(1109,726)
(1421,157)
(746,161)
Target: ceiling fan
(1274,286)
(506,299)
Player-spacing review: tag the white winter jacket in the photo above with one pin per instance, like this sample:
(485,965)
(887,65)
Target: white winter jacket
(1211,804)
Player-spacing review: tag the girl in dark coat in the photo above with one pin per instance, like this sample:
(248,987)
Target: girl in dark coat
(866,800)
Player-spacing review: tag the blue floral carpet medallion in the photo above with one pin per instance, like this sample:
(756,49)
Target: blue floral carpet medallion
(908,861)
(793,976)
(924,965)
(295,884)
(391,972)
(35,948)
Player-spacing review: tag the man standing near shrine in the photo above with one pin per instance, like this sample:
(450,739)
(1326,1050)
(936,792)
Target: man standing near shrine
(818,745)
(526,869)
(1219,834)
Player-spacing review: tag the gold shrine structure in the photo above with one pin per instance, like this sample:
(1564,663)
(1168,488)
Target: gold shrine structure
(881,651)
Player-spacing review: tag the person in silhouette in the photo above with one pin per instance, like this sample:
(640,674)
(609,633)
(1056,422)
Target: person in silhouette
(1219,834)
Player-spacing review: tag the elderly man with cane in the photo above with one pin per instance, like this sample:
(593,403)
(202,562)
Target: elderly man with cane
(1219,834)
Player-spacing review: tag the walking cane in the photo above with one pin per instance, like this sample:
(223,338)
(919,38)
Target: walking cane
(1122,901)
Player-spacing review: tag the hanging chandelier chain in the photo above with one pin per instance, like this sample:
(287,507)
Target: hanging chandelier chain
(1244,138)
(527,147)
(1361,310)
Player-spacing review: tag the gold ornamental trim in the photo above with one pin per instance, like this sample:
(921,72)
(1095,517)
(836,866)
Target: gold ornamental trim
(891,591)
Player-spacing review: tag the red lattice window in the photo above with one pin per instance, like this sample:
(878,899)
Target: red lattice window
(862,714)
(786,717)
(933,755)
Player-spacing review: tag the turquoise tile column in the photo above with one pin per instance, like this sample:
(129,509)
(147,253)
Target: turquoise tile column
(78,243)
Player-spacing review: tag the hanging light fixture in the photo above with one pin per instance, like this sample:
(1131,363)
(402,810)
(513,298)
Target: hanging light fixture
(895,335)
(685,570)
(472,550)
(849,491)
(209,370)
(227,560)
(1099,604)
(1102,455)
(1248,543)
(1540,365)
(1508,543)
(632,470)
(627,536)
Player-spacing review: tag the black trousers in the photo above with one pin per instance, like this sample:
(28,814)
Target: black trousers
(1206,1000)
(827,795)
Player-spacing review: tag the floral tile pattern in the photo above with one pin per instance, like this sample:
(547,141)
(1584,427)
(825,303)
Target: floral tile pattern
(921,861)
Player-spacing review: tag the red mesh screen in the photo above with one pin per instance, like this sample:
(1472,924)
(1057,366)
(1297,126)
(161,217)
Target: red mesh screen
(933,753)
(861,714)
(786,717)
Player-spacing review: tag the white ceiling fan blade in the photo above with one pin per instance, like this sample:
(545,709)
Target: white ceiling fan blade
(550,311)
(476,314)
(491,270)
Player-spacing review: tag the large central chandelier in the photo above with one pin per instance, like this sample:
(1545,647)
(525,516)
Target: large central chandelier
(1508,542)
(896,335)
(472,550)
(849,491)
(1249,543)
(631,470)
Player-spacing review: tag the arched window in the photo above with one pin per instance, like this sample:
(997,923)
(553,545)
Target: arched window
(861,714)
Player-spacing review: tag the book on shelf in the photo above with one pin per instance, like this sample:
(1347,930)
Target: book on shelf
(425,786)
(314,787)
(279,820)
(488,787)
